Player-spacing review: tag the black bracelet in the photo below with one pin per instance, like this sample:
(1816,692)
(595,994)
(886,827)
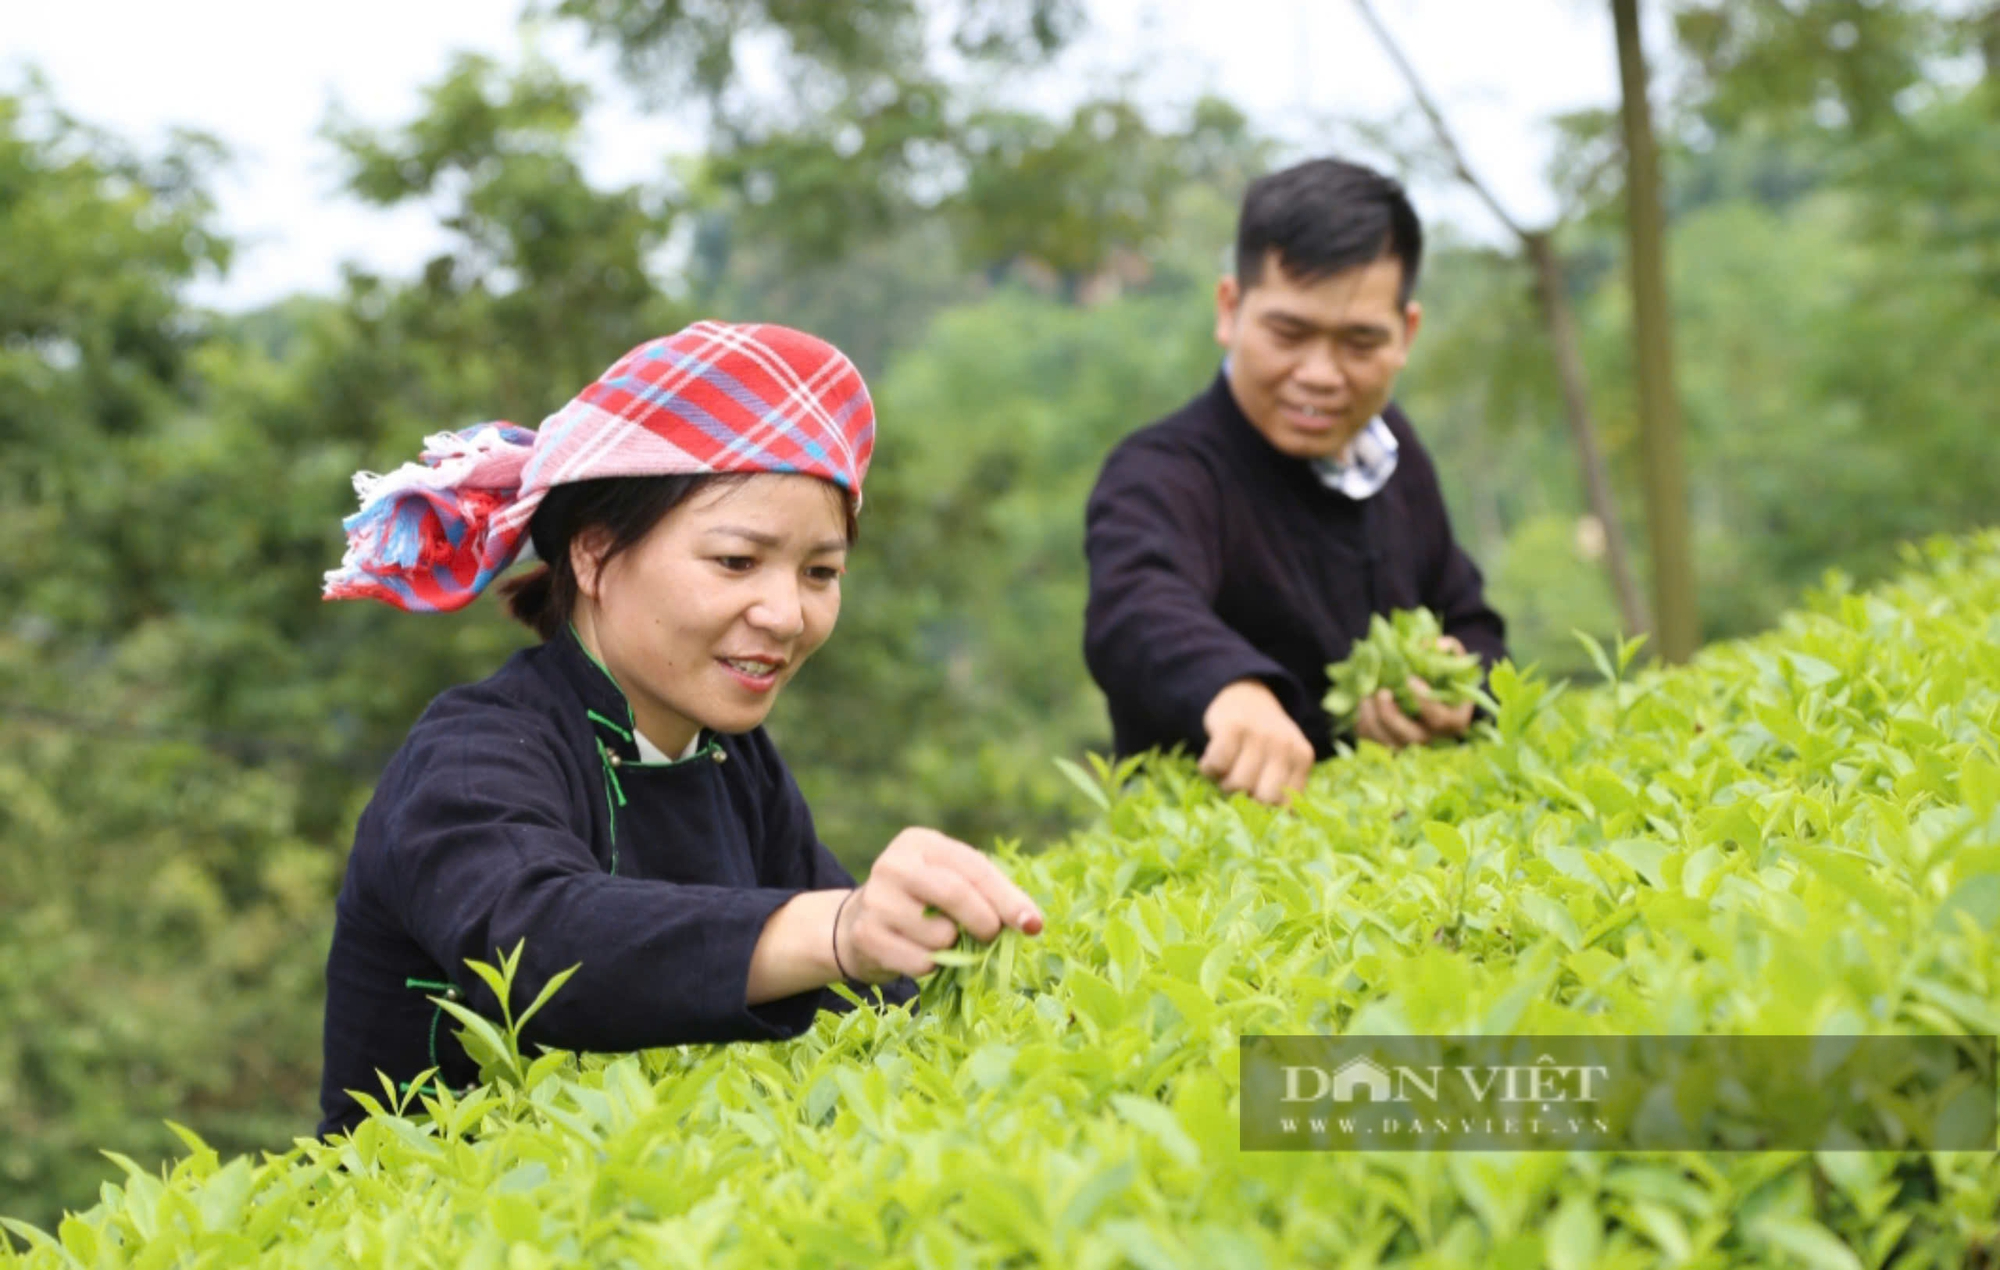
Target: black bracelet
(836,932)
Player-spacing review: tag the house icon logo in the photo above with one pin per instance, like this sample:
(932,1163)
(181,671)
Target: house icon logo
(1361,1074)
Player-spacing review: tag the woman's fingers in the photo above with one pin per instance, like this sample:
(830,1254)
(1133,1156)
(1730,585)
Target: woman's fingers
(959,899)
(1010,904)
(925,888)
(959,880)
(899,908)
(924,871)
(887,933)
(887,954)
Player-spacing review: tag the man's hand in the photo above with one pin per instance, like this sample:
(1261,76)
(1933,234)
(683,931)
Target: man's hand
(1381,720)
(1254,747)
(883,931)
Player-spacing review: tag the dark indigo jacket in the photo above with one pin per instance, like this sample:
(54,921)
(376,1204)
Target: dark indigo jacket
(518,809)
(1215,557)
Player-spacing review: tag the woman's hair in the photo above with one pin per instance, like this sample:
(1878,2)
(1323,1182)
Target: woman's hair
(626,506)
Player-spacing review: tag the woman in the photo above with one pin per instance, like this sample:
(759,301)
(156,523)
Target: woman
(610,797)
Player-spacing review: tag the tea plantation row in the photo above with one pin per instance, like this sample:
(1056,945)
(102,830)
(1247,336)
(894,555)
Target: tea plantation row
(1798,834)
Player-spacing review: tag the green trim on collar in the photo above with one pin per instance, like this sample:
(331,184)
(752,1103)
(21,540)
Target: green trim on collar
(710,748)
(626,733)
(631,720)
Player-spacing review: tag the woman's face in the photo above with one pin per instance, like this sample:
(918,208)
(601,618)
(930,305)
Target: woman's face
(710,614)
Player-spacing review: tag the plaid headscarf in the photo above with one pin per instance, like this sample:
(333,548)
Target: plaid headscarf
(713,397)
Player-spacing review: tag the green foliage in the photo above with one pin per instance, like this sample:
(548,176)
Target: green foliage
(1793,328)
(1072,196)
(1835,64)
(539,258)
(165,931)
(1397,648)
(866,137)
(676,49)
(93,347)
(1796,835)
(1067,197)
(187,733)
(1548,584)
(968,973)
(957,668)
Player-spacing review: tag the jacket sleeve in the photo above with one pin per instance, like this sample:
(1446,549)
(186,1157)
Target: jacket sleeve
(485,853)
(1451,583)
(1152,639)
(796,853)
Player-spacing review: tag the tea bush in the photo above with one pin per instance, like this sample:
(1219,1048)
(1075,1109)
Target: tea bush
(1798,833)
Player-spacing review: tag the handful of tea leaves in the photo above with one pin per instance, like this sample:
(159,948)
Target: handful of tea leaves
(966,971)
(1397,647)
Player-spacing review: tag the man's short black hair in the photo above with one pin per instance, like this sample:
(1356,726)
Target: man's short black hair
(1324,216)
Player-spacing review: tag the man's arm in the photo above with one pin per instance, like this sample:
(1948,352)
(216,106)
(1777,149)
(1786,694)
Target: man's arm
(1471,626)
(1153,640)
(1449,582)
(1458,597)
(1449,585)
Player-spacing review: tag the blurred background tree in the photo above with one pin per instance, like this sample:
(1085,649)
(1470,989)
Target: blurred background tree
(187,734)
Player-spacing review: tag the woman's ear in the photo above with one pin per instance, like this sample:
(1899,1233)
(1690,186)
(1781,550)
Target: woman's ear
(587,550)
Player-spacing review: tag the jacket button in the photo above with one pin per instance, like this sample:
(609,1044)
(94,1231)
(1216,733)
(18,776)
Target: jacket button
(721,755)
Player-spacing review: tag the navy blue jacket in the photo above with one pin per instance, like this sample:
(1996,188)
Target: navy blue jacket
(518,809)
(1215,557)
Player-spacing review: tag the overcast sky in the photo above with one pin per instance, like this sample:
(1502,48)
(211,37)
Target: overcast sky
(261,76)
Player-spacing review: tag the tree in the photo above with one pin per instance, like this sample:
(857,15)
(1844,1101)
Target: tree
(1833,65)
(880,128)
(540,264)
(149,873)
(691,51)
(94,346)
(1559,322)
(1068,197)
(1675,607)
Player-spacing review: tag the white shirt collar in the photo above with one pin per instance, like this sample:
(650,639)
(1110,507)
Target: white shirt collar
(650,753)
(1367,465)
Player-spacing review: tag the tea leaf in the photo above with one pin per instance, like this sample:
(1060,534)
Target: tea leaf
(1082,780)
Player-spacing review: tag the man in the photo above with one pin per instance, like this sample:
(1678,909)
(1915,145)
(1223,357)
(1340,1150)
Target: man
(1239,545)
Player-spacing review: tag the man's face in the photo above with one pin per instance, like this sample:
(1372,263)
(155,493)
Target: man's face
(1310,363)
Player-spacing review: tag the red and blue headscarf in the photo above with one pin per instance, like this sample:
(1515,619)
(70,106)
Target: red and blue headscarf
(710,398)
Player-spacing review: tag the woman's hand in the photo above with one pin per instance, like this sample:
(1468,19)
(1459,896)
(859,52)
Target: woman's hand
(883,931)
